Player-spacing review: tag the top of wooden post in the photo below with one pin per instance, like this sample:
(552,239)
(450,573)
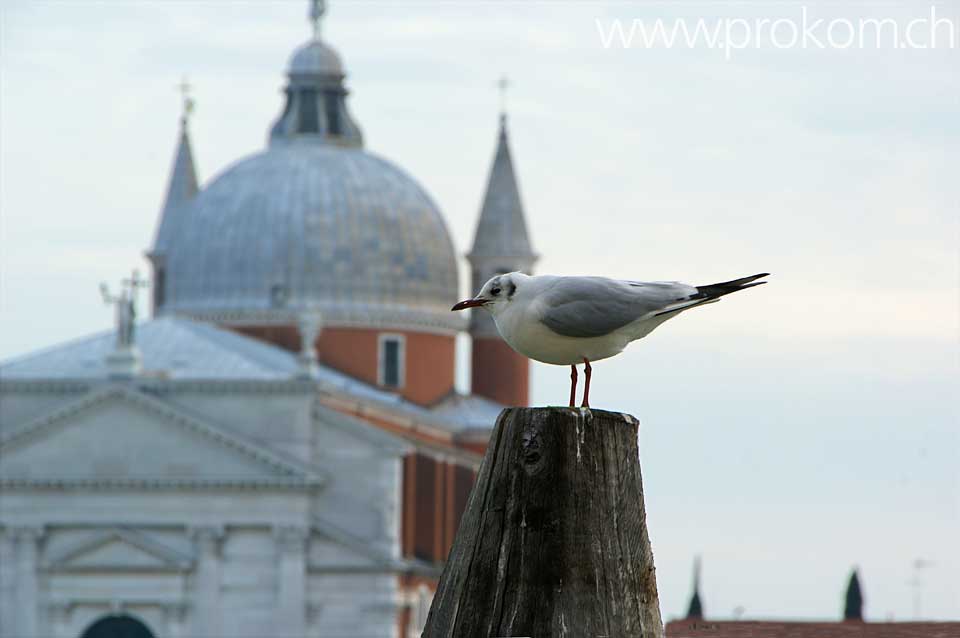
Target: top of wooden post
(554,540)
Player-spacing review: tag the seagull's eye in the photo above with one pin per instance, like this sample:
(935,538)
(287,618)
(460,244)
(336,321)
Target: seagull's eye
(494,291)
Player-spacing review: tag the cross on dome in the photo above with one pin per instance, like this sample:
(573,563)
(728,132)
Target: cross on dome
(502,85)
(188,103)
(317,9)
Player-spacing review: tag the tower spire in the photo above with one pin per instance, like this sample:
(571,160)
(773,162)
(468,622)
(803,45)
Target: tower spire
(183,185)
(181,189)
(695,610)
(501,244)
(502,228)
(853,600)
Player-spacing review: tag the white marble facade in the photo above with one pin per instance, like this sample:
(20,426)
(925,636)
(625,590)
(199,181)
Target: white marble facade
(201,506)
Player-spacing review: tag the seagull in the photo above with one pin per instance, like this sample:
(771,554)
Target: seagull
(573,320)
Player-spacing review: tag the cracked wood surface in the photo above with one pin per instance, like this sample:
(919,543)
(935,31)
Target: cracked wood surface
(554,539)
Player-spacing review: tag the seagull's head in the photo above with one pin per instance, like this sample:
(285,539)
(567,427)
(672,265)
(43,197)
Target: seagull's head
(496,294)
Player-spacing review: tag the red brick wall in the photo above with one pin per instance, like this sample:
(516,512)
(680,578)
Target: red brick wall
(434,497)
(429,360)
(499,373)
(425,508)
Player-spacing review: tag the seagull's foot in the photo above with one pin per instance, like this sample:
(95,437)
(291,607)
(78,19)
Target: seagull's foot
(586,390)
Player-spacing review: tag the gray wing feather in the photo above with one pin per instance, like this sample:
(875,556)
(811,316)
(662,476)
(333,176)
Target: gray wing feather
(595,306)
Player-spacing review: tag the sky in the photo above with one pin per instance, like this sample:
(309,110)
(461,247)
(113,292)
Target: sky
(788,434)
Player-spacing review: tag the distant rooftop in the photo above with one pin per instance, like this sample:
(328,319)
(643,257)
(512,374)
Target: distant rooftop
(799,629)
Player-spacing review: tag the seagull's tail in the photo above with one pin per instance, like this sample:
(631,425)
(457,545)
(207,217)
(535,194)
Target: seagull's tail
(712,293)
(715,291)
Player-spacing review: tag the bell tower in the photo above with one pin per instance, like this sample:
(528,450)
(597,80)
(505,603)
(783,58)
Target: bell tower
(501,244)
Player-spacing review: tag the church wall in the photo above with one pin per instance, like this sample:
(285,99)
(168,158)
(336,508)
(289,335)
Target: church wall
(434,499)
(429,361)
(357,605)
(365,486)
(248,572)
(355,597)
(7,584)
(430,367)
(251,583)
(499,373)
(280,419)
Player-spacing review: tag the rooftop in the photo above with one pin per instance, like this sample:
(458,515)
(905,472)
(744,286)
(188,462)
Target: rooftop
(788,629)
(178,349)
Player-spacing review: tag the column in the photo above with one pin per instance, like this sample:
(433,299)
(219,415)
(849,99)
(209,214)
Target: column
(438,476)
(408,505)
(291,543)
(173,616)
(8,592)
(393,514)
(59,613)
(449,506)
(206,609)
(26,540)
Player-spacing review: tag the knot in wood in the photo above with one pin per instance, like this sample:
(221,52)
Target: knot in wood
(531,453)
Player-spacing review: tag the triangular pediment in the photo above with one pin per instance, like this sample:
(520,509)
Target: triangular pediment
(123,437)
(119,550)
(327,553)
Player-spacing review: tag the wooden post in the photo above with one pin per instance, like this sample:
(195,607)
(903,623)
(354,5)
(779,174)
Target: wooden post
(554,538)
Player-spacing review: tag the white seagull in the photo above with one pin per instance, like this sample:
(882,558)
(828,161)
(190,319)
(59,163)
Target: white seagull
(572,320)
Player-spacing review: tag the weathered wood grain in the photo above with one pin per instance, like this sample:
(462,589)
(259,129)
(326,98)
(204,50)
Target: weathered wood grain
(554,539)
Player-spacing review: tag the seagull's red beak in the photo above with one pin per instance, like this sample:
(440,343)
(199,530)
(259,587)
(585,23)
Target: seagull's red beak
(469,303)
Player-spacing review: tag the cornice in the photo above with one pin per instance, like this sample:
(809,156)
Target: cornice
(158,383)
(291,385)
(169,601)
(46,386)
(524,259)
(158,483)
(335,316)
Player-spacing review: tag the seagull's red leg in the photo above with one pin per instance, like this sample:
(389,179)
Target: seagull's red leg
(586,387)
(573,386)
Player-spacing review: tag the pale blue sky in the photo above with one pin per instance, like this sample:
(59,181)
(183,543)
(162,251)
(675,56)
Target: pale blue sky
(788,433)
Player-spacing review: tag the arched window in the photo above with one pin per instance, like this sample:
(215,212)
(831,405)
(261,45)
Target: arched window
(117,627)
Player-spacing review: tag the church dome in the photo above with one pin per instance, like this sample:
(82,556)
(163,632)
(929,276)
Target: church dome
(313,223)
(319,226)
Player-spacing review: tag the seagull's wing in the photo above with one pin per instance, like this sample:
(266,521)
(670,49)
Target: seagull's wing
(596,306)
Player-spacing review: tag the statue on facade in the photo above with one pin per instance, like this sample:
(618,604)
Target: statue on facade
(125,304)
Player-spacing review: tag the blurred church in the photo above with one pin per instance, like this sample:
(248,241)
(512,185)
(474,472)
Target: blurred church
(279,450)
